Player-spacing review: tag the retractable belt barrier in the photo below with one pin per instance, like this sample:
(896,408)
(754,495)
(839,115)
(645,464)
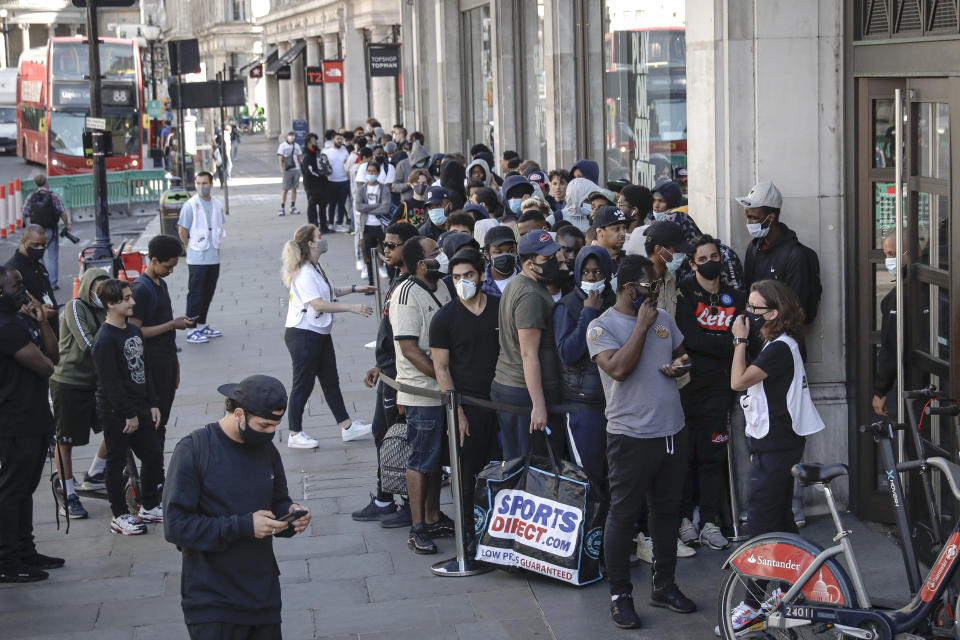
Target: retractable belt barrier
(461,565)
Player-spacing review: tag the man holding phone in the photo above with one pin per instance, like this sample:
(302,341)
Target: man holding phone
(225,498)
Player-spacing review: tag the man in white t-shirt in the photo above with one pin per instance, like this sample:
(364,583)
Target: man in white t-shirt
(339,182)
(288,155)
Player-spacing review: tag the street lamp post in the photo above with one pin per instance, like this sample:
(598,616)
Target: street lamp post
(151,34)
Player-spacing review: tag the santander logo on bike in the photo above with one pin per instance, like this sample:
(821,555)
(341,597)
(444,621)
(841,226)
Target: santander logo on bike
(941,568)
(779,564)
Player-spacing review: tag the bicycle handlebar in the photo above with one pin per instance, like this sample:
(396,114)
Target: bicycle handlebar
(926,393)
(948,410)
(877,427)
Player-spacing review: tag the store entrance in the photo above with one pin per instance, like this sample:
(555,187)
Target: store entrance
(931,243)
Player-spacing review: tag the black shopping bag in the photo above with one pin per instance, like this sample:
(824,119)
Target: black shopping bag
(534,514)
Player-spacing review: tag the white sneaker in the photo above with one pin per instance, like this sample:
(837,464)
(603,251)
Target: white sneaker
(300,440)
(151,515)
(383,272)
(127,525)
(644,548)
(683,551)
(688,532)
(355,431)
(195,337)
(360,265)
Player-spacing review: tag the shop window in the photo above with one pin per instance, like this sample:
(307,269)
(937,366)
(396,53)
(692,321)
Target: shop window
(478,76)
(645,92)
(534,86)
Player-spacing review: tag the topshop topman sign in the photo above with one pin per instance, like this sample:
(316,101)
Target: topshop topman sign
(384,61)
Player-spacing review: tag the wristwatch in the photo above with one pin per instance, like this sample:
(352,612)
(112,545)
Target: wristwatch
(740,341)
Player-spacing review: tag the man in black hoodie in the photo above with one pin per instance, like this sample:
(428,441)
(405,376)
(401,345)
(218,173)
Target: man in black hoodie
(225,498)
(775,253)
(314,183)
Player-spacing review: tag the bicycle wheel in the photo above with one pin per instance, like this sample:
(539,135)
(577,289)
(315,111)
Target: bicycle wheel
(761,572)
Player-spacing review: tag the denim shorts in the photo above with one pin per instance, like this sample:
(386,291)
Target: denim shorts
(425,434)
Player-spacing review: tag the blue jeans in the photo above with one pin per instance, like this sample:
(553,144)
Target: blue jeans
(587,439)
(425,427)
(515,428)
(50,260)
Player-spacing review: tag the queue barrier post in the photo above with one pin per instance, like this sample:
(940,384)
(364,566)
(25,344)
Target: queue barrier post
(376,282)
(461,565)
(732,475)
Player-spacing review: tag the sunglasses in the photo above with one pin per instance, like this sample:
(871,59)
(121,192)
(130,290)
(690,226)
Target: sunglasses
(390,245)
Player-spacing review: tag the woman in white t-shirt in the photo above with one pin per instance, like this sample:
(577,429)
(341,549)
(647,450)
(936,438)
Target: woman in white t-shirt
(313,303)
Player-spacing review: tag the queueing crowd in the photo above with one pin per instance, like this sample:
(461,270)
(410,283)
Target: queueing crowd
(534,288)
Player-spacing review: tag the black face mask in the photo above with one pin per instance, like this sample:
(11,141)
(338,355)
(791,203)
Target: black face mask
(35,253)
(505,264)
(12,303)
(252,437)
(756,321)
(550,272)
(419,189)
(710,269)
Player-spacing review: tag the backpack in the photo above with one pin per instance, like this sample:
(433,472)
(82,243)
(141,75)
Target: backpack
(812,304)
(43,211)
(394,452)
(323,165)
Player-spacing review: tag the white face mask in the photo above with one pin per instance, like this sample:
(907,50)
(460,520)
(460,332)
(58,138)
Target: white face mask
(891,264)
(444,262)
(592,286)
(757,230)
(372,178)
(466,289)
(290,139)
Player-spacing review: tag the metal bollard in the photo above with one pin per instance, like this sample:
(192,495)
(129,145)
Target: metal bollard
(376,282)
(461,565)
(732,472)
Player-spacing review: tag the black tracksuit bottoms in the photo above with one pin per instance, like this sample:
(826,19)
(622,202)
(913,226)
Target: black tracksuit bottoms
(201,285)
(148,447)
(651,471)
(21,467)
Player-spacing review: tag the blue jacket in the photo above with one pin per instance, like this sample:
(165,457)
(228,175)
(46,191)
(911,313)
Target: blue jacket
(589,168)
(488,286)
(580,375)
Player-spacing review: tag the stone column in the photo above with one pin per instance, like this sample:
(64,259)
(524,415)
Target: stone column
(355,105)
(448,76)
(286,96)
(561,111)
(25,36)
(298,88)
(273,104)
(314,93)
(383,90)
(333,107)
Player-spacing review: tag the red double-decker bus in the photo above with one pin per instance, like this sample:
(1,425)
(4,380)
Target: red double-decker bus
(53,99)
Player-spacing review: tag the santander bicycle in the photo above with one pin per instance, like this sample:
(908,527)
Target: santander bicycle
(780,585)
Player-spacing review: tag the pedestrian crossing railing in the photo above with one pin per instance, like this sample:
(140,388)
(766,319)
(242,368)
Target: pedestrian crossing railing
(127,191)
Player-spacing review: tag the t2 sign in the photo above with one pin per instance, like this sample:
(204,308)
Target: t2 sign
(314,76)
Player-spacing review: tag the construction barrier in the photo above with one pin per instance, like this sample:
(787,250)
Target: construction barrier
(3,213)
(126,189)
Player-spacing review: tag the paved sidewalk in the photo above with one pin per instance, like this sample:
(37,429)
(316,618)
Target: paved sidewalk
(343,579)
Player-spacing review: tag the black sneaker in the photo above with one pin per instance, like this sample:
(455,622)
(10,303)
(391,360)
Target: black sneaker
(73,508)
(623,612)
(95,482)
(40,561)
(22,573)
(670,597)
(419,540)
(442,528)
(372,511)
(400,518)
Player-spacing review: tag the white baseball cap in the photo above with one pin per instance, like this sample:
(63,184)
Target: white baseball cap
(763,194)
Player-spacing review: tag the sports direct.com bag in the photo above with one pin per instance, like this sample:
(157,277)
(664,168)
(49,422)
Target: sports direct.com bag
(534,514)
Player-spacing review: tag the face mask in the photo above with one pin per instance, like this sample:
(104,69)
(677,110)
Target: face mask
(614,283)
(204,190)
(438,216)
(322,246)
(419,189)
(444,262)
(290,139)
(12,303)
(95,299)
(35,253)
(891,264)
(592,286)
(678,259)
(514,204)
(505,264)
(756,321)
(710,269)
(659,215)
(466,289)
(638,301)
(549,271)
(757,230)
(586,208)
(372,178)
(254,438)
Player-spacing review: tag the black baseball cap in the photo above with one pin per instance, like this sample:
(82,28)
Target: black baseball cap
(453,241)
(436,195)
(259,395)
(669,234)
(606,216)
(496,236)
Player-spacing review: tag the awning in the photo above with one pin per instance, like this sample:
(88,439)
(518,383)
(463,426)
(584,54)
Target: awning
(286,58)
(256,61)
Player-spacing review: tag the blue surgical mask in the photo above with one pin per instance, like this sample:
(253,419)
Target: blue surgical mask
(638,302)
(372,178)
(757,230)
(592,286)
(891,264)
(586,208)
(438,216)
(659,215)
(514,204)
(677,262)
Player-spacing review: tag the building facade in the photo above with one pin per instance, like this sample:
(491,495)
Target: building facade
(321,63)
(721,94)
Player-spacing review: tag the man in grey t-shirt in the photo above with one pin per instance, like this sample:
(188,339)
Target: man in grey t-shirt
(639,351)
